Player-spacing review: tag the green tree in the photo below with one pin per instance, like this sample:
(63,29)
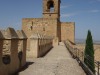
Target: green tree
(89,52)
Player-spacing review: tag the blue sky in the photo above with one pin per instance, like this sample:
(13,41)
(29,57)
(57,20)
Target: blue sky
(85,14)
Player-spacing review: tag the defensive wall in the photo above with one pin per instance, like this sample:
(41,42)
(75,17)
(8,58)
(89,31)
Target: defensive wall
(13,50)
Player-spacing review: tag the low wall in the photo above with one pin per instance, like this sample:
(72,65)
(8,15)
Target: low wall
(39,45)
(12,51)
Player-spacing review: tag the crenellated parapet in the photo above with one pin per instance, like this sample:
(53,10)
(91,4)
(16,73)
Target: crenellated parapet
(22,44)
(39,45)
(11,44)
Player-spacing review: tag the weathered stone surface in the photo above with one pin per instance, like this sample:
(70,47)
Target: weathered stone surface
(39,45)
(51,9)
(68,31)
(10,45)
(10,33)
(21,34)
(22,44)
(11,38)
(2,66)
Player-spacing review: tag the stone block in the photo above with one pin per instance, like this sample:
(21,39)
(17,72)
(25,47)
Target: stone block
(55,41)
(34,46)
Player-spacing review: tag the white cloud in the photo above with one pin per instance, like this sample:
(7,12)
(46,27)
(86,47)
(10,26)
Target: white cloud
(79,12)
(98,0)
(94,1)
(68,15)
(65,6)
(94,11)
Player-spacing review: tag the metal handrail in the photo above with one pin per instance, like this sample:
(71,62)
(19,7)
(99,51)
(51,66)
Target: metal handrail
(79,56)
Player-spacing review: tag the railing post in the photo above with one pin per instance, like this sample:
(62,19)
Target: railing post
(78,55)
(98,66)
(82,56)
(75,52)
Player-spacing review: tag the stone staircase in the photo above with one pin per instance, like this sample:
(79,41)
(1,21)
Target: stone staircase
(57,62)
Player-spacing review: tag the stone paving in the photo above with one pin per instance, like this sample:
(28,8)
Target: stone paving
(57,62)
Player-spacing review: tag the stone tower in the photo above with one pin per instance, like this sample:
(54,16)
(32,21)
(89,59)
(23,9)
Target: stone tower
(49,24)
(51,9)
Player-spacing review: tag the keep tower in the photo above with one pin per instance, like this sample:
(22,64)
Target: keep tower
(51,9)
(49,24)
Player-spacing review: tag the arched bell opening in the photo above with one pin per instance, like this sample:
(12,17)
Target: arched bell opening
(50,6)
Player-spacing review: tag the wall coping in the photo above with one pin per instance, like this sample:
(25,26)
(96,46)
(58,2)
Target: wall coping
(40,36)
(9,34)
(21,34)
(1,35)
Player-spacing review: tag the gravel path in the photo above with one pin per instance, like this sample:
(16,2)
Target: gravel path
(57,62)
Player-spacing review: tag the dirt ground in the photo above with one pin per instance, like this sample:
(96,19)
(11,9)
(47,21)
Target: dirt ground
(96,48)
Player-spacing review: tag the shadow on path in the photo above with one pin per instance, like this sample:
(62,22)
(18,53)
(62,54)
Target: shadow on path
(23,68)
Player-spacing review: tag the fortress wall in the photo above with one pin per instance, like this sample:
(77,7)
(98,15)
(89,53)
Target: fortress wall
(45,26)
(39,45)
(3,67)
(9,55)
(68,31)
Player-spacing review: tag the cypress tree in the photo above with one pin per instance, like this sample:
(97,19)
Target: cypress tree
(89,52)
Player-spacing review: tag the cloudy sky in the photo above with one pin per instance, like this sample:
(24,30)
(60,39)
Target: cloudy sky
(85,14)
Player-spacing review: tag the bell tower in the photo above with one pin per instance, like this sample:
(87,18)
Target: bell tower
(51,9)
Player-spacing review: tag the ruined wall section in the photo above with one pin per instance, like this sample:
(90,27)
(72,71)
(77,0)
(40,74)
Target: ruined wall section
(68,31)
(44,26)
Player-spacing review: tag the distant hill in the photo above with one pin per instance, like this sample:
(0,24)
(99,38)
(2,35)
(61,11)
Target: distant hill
(82,41)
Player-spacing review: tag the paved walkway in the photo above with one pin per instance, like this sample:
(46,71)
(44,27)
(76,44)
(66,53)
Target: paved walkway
(57,62)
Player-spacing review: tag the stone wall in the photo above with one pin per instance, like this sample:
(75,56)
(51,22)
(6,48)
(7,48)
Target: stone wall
(12,51)
(39,45)
(68,31)
(46,26)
